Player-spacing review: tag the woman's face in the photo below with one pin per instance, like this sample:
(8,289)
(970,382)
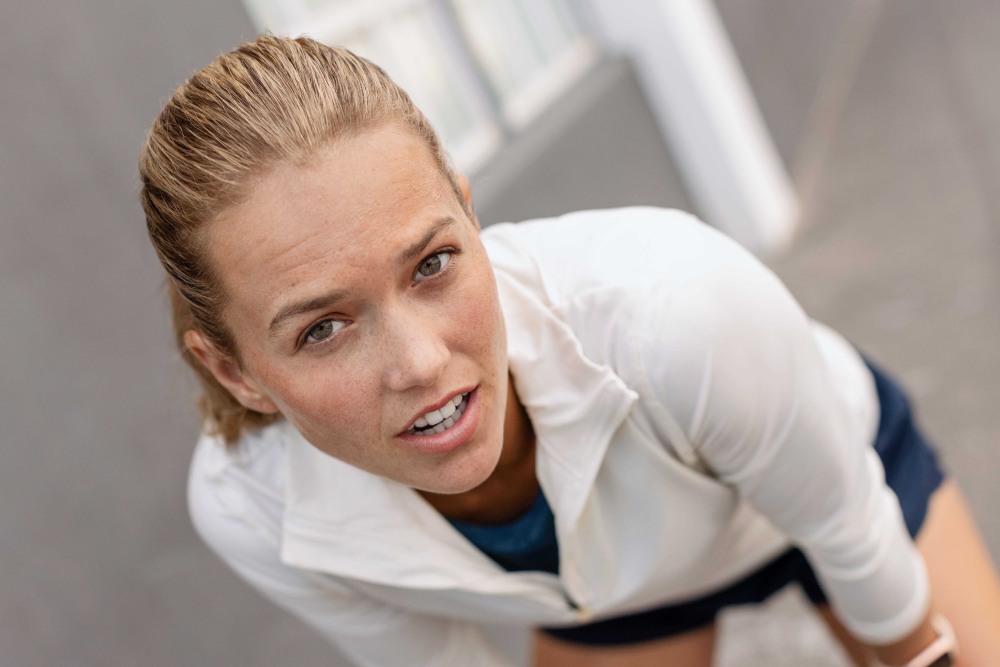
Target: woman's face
(362,303)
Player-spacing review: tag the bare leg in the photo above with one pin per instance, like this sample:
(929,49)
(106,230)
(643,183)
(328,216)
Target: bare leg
(692,649)
(963,577)
(964,581)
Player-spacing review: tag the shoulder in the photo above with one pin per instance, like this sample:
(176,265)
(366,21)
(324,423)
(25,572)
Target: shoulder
(236,494)
(655,274)
(626,249)
(673,305)
(236,498)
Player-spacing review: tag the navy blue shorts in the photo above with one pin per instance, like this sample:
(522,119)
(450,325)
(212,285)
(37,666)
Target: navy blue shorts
(912,472)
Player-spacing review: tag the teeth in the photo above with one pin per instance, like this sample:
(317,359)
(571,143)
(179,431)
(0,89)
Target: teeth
(438,421)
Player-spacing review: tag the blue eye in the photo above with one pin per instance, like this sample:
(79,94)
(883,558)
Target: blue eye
(321,331)
(432,264)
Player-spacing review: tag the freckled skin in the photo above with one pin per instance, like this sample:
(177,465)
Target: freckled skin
(340,222)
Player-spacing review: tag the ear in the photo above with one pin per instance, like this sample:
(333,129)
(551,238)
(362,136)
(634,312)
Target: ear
(228,373)
(463,184)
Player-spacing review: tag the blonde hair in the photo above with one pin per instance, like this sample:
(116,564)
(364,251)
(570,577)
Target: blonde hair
(269,101)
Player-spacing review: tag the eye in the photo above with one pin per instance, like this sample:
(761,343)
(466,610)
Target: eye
(432,265)
(321,331)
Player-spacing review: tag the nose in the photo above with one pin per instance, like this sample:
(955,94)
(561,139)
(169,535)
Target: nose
(416,354)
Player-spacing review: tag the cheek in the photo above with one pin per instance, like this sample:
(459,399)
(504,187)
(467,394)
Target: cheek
(479,319)
(326,404)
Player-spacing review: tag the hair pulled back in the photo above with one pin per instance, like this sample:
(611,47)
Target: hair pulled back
(269,101)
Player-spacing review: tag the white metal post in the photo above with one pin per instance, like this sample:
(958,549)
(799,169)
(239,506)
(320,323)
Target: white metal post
(706,111)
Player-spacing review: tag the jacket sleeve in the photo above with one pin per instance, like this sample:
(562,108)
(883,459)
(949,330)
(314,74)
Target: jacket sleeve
(370,633)
(733,358)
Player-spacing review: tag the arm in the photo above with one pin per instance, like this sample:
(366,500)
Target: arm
(370,633)
(734,359)
(932,631)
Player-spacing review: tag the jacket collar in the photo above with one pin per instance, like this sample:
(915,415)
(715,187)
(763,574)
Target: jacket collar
(347,522)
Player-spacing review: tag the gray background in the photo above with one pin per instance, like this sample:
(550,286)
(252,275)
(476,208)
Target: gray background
(885,112)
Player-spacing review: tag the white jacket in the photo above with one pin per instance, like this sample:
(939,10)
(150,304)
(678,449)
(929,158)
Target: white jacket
(691,422)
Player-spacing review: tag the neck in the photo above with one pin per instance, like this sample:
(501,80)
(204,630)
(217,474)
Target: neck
(512,487)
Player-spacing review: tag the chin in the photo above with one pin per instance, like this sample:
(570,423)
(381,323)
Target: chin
(464,475)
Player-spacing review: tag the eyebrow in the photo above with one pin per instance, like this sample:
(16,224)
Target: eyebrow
(411,252)
(325,300)
(300,307)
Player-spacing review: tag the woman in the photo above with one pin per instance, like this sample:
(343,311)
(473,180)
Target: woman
(609,425)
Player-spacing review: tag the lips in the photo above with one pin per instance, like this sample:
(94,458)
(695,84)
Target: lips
(451,432)
(441,419)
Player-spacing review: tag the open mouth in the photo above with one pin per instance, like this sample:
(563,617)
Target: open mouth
(442,419)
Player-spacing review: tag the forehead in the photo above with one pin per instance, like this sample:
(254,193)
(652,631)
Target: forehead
(350,205)
(369,176)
